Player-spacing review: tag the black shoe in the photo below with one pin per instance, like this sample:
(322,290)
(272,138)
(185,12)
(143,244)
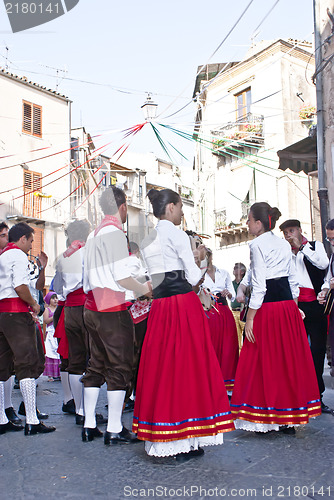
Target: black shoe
(326,409)
(123,437)
(287,430)
(40,428)
(10,427)
(11,415)
(100,419)
(69,407)
(40,415)
(89,434)
(184,457)
(129,406)
(79,419)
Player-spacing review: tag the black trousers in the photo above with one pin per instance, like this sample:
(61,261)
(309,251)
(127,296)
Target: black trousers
(316,328)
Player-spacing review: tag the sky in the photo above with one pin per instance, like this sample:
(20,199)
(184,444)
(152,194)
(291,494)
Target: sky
(129,48)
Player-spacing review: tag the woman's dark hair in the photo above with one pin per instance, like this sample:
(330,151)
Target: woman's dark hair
(18,230)
(77,230)
(266,214)
(111,199)
(330,225)
(159,200)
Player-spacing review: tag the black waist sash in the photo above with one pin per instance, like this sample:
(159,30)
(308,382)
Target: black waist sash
(278,289)
(220,299)
(170,283)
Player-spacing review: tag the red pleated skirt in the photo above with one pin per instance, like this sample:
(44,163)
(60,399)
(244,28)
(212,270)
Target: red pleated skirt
(275,381)
(224,338)
(180,389)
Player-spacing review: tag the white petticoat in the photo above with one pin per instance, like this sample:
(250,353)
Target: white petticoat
(252,426)
(171,448)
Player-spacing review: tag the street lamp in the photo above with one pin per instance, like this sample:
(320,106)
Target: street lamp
(150,108)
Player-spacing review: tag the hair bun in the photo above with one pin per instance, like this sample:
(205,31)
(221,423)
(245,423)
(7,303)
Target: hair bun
(153,194)
(274,213)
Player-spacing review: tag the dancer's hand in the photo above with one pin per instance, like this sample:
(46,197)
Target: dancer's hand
(302,314)
(249,330)
(322,296)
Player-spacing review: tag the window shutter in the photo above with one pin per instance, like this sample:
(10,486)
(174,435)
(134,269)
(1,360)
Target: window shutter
(32,182)
(37,121)
(27,117)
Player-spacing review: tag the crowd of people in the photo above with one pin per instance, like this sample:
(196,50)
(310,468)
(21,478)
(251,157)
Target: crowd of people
(154,323)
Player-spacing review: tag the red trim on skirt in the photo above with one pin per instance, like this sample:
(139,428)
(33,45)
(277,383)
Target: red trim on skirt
(180,389)
(275,381)
(224,338)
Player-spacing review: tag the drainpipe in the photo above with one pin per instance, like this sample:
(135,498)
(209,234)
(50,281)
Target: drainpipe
(322,181)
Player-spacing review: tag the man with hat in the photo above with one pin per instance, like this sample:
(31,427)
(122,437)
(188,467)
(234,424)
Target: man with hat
(311,263)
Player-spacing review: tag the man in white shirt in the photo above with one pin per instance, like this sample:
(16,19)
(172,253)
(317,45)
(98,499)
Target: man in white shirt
(109,324)
(17,328)
(311,264)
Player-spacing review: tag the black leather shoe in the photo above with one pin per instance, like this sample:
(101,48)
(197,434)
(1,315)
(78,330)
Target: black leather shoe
(100,419)
(129,406)
(69,407)
(11,415)
(291,431)
(123,437)
(40,428)
(326,409)
(79,419)
(184,457)
(10,427)
(40,415)
(89,434)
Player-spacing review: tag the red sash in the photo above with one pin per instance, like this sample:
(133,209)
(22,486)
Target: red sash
(13,305)
(307,295)
(76,298)
(60,334)
(105,300)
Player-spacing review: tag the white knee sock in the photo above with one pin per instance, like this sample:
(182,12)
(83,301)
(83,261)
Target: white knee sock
(64,376)
(28,390)
(115,408)
(77,391)
(8,388)
(3,418)
(91,395)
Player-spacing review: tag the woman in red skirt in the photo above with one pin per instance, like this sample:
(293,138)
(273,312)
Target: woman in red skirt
(275,385)
(222,325)
(181,401)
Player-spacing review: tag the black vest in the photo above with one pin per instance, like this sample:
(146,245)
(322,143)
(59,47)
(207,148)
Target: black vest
(316,275)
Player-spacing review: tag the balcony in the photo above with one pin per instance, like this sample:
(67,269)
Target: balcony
(247,131)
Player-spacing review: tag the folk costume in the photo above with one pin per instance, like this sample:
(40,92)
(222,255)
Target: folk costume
(52,358)
(275,381)
(222,326)
(70,268)
(181,401)
(18,343)
(326,284)
(311,263)
(236,311)
(109,324)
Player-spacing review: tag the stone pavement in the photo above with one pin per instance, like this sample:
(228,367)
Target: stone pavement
(60,465)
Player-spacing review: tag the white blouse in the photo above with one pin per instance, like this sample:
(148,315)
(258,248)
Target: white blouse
(222,281)
(271,257)
(166,249)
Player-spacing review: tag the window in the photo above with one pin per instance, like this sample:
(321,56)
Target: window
(32,184)
(243,104)
(32,119)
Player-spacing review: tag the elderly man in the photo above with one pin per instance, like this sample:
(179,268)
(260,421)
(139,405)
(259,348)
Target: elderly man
(311,263)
